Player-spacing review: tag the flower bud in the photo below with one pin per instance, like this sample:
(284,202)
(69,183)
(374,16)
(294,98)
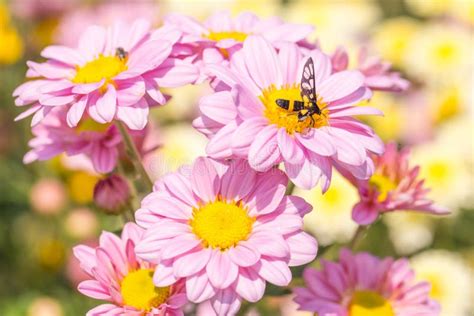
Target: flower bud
(112,194)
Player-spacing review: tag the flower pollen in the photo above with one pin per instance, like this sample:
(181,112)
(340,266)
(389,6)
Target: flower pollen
(219,36)
(287,118)
(104,67)
(369,303)
(221,224)
(138,290)
(383,184)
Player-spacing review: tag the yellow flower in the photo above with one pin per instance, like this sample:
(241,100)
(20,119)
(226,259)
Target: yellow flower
(445,164)
(392,36)
(440,53)
(429,8)
(331,17)
(409,231)
(330,220)
(450,278)
(81,186)
(181,145)
(388,127)
(11,44)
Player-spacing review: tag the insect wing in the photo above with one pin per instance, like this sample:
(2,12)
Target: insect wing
(308,89)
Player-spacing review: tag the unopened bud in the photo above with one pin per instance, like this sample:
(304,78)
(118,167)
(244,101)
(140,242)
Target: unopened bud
(112,194)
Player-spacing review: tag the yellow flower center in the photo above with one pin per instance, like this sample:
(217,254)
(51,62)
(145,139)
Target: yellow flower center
(383,184)
(89,125)
(138,290)
(220,224)
(104,67)
(368,303)
(289,118)
(219,36)
(445,51)
(437,290)
(438,171)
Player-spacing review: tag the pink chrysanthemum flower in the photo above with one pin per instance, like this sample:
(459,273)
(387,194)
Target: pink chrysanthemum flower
(378,74)
(101,143)
(226,229)
(221,35)
(393,186)
(364,285)
(114,73)
(242,117)
(119,277)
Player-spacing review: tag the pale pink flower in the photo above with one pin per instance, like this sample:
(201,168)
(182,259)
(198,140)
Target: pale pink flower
(116,275)
(104,13)
(377,73)
(114,73)
(394,186)
(361,285)
(242,118)
(101,143)
(41,9)
(226,229)
(221,35)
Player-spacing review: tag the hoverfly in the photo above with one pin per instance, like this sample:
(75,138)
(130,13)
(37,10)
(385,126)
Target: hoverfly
(308,89)
(121,53)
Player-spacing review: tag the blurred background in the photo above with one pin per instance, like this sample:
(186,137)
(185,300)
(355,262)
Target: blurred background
(46,208)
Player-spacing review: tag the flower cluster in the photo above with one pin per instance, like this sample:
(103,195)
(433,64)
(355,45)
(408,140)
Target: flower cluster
(216,232)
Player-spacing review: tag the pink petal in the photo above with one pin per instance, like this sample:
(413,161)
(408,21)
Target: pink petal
(289,148)
(169,207)
(357,110)
(322,67)
(175,73)
(221,270)
(49,100)
(75,112)
(290,57)
(275,271)
(219,107)
(163,275)
(219,145)
(205,182)
(107,104)
(270,244)
(269,191)
(179,245)
(318,141)
(180,187)
(191,263)
(104,159)
(250,285)
(135,117)
(238,181)
(106,309)
(226,302)
(129,92)
(244,255)
(364,214)
(92,41)
(245,133)
(301,255)
(262,62)
(94,289)
(63,54)
(264,152)
(340,85)
(348,150)
(198,288)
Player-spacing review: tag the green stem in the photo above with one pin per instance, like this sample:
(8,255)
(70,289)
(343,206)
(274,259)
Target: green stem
(359,234)
(134,155)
